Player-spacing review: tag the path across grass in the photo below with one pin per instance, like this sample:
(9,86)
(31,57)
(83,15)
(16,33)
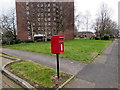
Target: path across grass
(78,49)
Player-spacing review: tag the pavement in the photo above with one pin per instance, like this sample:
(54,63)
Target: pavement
(101,73)
(5,82)
(119,64)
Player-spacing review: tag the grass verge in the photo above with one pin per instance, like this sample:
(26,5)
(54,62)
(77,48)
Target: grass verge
(37,75)
(79,49)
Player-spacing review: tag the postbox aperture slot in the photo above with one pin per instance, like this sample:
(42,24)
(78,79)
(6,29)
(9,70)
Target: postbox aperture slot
(61,37)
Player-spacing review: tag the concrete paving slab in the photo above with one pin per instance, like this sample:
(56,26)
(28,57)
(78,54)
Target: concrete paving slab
(79,83)
(100,59)
(5,81)
(119,64)
(0,73)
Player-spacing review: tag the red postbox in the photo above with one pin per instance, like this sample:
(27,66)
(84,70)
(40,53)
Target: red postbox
(57,47)
(57,44)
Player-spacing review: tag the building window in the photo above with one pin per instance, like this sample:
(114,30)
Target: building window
(48,28)
(33,24)
(41,5)
(45,19)
(49,23)
(54,14)
(28,12)
(38,5)
(38,19)
(49,32)
(28,28)
(54,9)
(28,22)
(48,14)
(34,28)
(29,37)
(31,5)
(44,4)
(33,13)
(54,5)
(42,28)
(41,14)
(54,19)
(54,28)
(61,17)
(41,18)
(45,14)
(54,24)
(48,4)
(42,24)
(38,14)
(27,8)
(46,24)
(38,28)
(49,19)
(61,12)
(27,3)
(27,18)
(39,23)
(48,9)
(38,10)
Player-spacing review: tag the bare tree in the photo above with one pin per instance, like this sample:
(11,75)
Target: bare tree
(87,20)
(104,24)
(79,21)
(5,23)
(13,22)
(6,28)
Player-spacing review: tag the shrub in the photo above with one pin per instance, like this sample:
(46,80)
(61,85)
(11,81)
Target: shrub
(112,36)
(18,41)
(97,38)
(39,40)
(102,38)
(4,42)
(27,41)
(12,42)
(106,37)
(15,41)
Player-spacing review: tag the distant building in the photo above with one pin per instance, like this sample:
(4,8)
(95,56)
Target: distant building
(86,34)
(44,19)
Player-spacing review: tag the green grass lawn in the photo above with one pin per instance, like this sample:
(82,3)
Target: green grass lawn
(78,49)
(37,75)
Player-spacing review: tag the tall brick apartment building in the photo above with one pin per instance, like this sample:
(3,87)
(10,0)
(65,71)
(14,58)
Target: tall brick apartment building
(45,18)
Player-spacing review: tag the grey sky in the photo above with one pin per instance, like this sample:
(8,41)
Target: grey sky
(119,14)
(81,6)
(93,6)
